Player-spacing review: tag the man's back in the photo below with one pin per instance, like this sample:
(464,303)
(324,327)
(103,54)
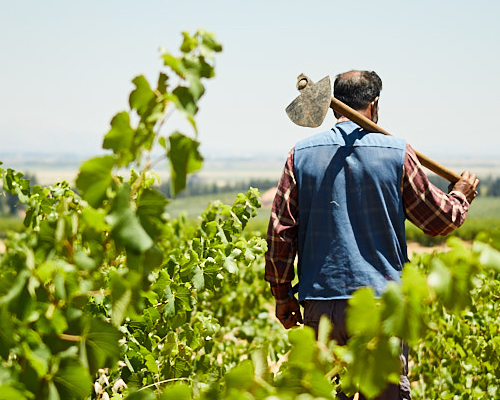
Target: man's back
(341,202)
(351,230)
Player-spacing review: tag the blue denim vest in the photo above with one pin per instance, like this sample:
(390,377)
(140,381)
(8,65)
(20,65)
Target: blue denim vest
(351,217)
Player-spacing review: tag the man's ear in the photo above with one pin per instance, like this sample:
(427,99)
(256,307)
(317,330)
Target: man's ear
(374,109)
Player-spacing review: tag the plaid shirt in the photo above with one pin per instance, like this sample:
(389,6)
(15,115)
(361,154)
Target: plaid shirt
(426,206)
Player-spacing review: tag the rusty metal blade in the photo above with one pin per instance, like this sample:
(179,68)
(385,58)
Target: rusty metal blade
(310,107)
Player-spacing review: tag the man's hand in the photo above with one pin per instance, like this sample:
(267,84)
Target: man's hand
(467,185)
(288,312)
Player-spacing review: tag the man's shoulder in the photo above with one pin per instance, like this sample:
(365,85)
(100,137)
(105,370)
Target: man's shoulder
(379,139)
(350,134)
(318,139)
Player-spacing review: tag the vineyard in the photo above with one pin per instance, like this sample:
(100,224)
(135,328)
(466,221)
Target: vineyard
(104,295)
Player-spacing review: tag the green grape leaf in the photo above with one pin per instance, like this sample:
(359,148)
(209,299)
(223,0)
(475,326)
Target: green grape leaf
(184,159)
(162,82)
(121,297)
(7,336)
(304,346)
(83,261)
(363,314)
(150,209)
(198,280)
(177,391)
(209,44)
(95,219)
(72,380)
(170,302)
(189,42)
(488,256)
(95,179)
(440,278)
(8,392)
(183,298)
(141,395)
(151,364)
(230,265)
(174,63)
(394,311)
(241,377)
(58,321)
(120,137)
(321,387)
(38,358)
(139,98)
(102,346)
(375,363)
(53,394)
(186,102)
(125,225)
(153,258)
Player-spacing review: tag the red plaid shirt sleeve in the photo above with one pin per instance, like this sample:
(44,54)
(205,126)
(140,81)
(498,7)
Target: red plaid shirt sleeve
(282,234)
(426,206)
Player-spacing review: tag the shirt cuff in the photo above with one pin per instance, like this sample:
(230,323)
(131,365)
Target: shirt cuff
(460,195)
(281,291)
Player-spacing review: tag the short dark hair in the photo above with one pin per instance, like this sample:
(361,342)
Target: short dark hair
(357,89)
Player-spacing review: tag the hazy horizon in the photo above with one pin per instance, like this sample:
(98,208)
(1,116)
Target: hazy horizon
(50,168)
(67,68)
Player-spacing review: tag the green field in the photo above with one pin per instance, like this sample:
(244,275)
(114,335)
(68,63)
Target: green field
(10,223)
(484,215)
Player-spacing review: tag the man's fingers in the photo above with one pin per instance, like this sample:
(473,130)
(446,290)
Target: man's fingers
(288,313)
(291,320)
(476,183)
(299,318)
(288,323)
(467,185)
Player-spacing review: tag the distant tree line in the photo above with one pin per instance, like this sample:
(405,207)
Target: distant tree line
(9,204)
(198,187)
(489,186)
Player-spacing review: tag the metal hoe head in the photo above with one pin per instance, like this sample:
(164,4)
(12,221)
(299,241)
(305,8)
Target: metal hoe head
(310,107)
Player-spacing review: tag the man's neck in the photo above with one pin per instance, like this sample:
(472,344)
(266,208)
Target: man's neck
(366,112)
(342,119)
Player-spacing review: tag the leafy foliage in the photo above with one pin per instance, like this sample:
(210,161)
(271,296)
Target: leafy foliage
(103,294)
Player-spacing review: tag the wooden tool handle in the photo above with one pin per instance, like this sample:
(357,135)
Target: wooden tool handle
(371,126)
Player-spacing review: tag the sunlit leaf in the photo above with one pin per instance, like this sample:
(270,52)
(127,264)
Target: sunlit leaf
(241,376)
(150,209)
(125,225)
(178,391)
(119,138)
(102,346)
(72,380)
(95,178)
(184,159)
(141,395)
(141,96)
(363,314)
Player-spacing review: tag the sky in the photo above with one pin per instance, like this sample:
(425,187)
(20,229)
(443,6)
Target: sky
(66,68)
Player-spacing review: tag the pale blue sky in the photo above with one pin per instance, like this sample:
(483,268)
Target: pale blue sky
(66,68)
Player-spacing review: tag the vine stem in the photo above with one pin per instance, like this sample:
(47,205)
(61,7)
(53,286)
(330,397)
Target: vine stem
(165,381)
(157,160)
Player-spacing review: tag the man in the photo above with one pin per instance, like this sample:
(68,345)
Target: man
(341,205)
